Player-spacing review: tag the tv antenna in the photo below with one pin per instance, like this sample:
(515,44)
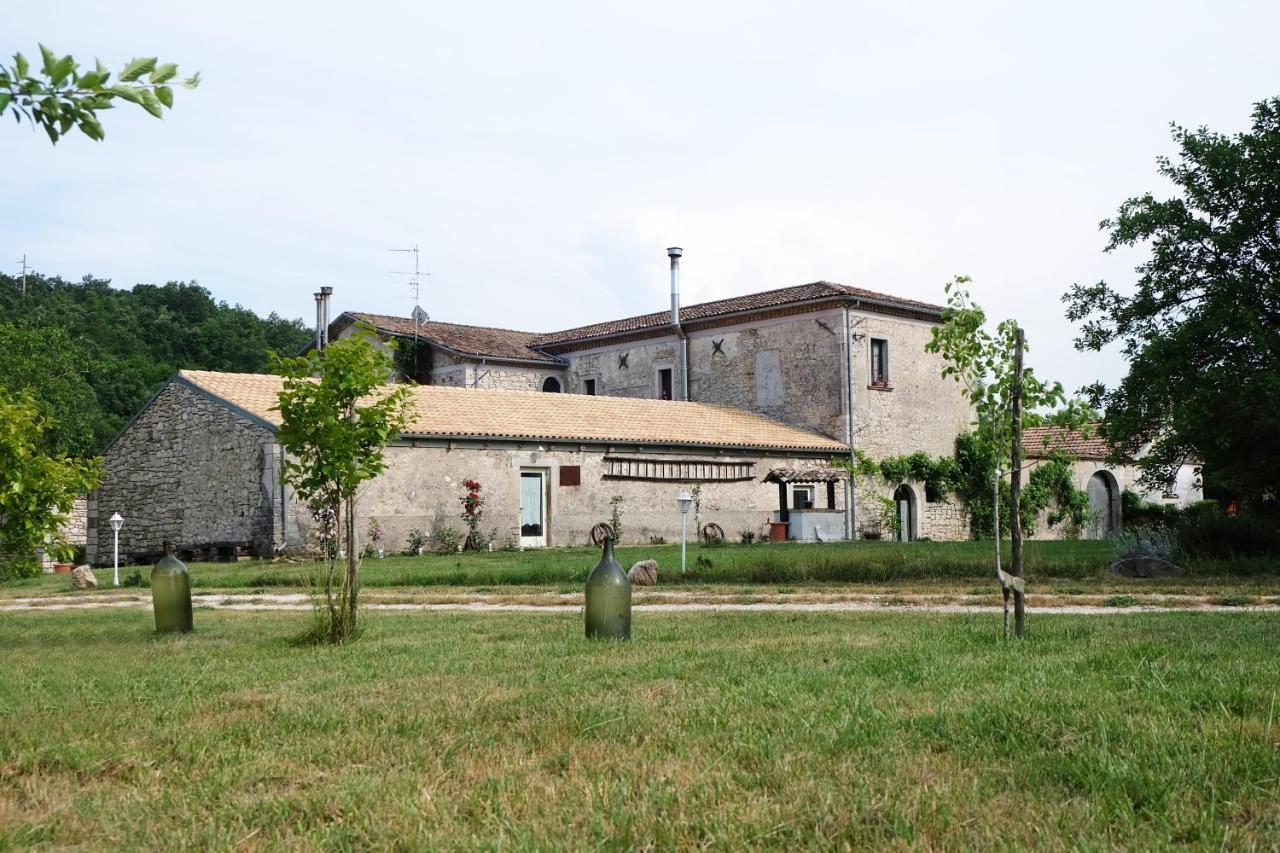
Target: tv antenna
(415,284)
(25,270)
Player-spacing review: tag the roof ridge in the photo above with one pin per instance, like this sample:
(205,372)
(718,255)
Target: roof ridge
(447,323)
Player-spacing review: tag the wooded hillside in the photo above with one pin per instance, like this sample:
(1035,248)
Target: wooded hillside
(93,354)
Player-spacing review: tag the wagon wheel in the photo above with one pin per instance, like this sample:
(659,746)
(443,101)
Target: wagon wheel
(712,533)
(601,532)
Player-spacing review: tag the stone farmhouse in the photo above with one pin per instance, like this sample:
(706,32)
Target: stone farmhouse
(200,465)
(750,396)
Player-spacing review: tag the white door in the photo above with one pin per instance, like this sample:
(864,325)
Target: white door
(533,509)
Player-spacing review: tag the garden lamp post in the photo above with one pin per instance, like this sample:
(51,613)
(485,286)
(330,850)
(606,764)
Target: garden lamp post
(683,500)
(116,523)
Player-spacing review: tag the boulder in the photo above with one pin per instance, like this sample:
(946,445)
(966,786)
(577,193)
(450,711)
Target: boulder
(82,578)
(1144,567)
(644,573)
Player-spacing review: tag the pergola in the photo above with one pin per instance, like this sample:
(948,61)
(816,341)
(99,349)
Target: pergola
(805,476)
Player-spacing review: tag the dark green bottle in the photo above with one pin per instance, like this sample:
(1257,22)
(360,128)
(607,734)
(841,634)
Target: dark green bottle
(171,593)
(608,599)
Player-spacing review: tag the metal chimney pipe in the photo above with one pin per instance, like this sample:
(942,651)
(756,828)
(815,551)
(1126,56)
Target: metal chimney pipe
(682,367)
(674,253)
(327,293)
(319,319)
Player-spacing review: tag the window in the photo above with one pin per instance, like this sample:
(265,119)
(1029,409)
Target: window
(664,383)
(571,475)
(879,363)
(551,385)
(589,387)
(931,494)
(802,497)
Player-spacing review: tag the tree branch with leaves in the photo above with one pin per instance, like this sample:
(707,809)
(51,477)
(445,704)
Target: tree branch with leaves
(37,488)
(59,96)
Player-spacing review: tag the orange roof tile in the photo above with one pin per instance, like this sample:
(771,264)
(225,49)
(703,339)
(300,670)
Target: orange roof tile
(1038,442)
(472,413)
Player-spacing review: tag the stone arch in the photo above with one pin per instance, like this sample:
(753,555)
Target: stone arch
(551,385)
(1104,504)
(907,508)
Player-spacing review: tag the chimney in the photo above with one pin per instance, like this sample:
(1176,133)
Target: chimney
(674,253)
(682,365)
(319,320)
(326,294)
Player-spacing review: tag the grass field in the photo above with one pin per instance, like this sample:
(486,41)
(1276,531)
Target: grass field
(813,730)
(791,563)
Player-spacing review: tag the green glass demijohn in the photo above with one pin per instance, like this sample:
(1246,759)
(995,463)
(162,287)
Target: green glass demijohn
(608,599)
(171,593)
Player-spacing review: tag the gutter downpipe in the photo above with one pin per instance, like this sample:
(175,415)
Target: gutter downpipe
(850,493)
(284,501)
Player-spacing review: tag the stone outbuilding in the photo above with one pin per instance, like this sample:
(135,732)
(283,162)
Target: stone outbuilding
(1103,481)
(200,464)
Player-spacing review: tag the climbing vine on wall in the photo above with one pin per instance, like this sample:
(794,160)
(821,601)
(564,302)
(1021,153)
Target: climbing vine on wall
(1049,487)
(413,360)
(968,475)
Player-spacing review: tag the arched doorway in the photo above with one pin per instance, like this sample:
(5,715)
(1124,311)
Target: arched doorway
(1104,505)
(551,385)
(905,501)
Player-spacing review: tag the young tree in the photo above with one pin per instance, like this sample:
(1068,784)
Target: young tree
(59,96)
(998,386)
(337,419)
(1201,329)
(37,489)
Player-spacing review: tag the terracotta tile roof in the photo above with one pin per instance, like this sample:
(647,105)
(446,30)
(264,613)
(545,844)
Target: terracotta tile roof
(478,341)
(466,412)
(486,342)
(1038,442)
(722,307)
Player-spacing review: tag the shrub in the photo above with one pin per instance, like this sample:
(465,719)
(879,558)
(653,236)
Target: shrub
(1204,531)
(1138,512)
(615,516)
(415,542)
(1147,542)
(472,515)
(135,578)
(446,538)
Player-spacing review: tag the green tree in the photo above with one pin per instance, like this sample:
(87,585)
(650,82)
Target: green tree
(337,419)
(1201,327)
(37,489)
(122,344)
(59,96)
(986,364)
(49,364)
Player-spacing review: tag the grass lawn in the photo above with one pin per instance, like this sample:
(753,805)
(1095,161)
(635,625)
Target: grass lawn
(791,563)
(814,730)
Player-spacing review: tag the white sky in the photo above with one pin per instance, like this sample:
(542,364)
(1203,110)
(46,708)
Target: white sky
(545,154)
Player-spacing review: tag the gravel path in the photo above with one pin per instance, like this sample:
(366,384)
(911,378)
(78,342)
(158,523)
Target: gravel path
(680,603)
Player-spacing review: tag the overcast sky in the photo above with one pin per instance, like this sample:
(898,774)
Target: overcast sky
(544,155)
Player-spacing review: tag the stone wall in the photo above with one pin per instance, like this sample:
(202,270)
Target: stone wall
(423,484)
(459,372)
(792,369)
(189,470)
